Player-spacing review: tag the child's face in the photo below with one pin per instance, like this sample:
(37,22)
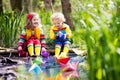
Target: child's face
(57,23)
(35,21)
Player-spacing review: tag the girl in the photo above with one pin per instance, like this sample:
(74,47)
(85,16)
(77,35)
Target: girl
(32,34)
(61,33)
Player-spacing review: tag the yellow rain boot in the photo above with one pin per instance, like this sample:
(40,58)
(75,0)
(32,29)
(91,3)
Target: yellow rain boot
(65,51)
(30,49)
(63,55)
(37,50)
(57,50)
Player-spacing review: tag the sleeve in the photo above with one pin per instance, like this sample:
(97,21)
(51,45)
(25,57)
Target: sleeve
(42,39)
(22,37)
(52,35)
(68,32)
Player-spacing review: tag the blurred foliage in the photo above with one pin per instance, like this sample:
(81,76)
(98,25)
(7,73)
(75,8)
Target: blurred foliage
(9,28)
(97,25)
(96,30)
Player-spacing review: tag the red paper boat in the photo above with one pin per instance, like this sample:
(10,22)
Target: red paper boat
(62,60)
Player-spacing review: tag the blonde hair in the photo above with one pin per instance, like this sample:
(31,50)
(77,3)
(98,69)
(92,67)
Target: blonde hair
(29,20)
(57,17)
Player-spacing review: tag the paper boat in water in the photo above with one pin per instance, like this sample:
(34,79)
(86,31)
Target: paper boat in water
(62,60)
(35,69)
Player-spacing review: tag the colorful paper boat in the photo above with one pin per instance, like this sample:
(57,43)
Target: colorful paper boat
(62,60)
(35,69)
(38,61)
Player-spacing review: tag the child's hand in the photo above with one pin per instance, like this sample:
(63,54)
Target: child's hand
(19,48)
(58,34)
(43,49)
(65,35)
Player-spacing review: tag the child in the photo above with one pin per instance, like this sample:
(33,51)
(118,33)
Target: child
(60,33)
(32,34)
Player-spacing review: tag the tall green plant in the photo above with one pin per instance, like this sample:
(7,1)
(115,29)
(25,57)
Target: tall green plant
(97,25)
(10,25)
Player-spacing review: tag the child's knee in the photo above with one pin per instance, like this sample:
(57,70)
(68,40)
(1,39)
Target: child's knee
(67,43)
(30,41)
(36,42)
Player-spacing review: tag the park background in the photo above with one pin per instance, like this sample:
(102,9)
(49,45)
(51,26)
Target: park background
(95,26)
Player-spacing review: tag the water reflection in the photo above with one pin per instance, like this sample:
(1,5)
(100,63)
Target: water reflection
(57,74)
(54,71)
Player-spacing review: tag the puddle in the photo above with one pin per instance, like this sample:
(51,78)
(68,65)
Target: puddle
(20,68)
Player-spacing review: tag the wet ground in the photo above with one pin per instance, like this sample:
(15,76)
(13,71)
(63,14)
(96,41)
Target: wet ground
(28,68)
